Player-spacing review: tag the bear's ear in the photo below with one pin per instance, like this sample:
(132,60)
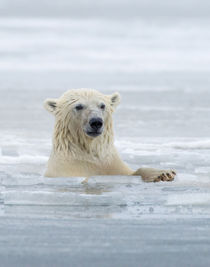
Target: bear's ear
(50,105)
(115,99)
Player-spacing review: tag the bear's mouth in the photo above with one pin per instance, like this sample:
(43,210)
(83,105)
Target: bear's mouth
(94,133)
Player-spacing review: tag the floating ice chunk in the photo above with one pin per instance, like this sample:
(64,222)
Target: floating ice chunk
(134,146)
(189,199)
(15,159)
(62,198)
(65,211)
(194,144)
(34,180)
(192,180)
(41,181)
(185,177)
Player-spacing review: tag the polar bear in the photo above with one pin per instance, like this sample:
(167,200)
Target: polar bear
(83,140)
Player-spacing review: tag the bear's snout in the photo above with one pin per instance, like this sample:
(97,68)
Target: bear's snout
(94,127)
(96,123)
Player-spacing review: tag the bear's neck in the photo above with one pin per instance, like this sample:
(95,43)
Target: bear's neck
(78,146)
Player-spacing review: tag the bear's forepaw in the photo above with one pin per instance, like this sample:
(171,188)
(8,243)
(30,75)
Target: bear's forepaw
(155,175)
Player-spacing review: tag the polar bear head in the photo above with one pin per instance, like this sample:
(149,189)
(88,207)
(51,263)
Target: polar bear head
(82,115)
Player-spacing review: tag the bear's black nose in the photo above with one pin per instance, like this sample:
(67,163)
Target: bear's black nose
(96,123)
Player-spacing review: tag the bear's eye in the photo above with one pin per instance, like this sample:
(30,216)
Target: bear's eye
(79,107)
(102,106)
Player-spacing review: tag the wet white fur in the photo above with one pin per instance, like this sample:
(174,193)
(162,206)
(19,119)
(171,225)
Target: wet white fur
(74,153)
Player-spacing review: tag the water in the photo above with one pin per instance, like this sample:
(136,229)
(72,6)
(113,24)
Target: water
(161,68)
